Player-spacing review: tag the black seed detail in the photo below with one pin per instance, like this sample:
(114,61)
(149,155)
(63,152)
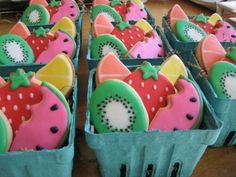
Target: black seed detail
(159,55)
(66,40)
(228,26)
(72,15)
(138,56)
(193,99)
(65,52)
(54,107)
(159,45)
(175,129)
(233,36)
(189,117)
(39,148)
(54,130)
(71,6)
(141,10)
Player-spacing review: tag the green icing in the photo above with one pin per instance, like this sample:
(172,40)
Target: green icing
(123,25)
(20,78)
(201,18)
(115,2)
(55,3)
(41,32)
(150,71)
(232,54)
(3,136)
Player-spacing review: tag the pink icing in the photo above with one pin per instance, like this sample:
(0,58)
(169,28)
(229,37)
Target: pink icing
(174,115)
(62,44)
(38,130)
(69,9)
(152,47)
(97,2)
(135,13)
(225,32)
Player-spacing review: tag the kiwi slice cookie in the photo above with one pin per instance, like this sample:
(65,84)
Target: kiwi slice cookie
(109,11)
(15,50)
(223,79)
(188,32)
(116,107)
(35,14)
(105,43)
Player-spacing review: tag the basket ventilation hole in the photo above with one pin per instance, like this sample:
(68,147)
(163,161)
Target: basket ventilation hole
(175,170)
(229,137)
(123,170)
(149,170)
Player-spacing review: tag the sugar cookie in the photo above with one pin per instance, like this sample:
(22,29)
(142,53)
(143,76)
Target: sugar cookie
(225,32)
(102,25)
(20,29)
(135,13)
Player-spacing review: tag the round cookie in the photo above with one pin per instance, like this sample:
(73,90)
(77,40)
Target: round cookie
(209,51)
(62,77)
(152,86)
(15,50)
(6,134)
(17,95)
(151,47)
(35,14)
(63,43)
(188,32)
(115,106)
(184,109)
(20,29)
(48,125)
(110,67)
(102,25)
(173,68)
(222,77)
(105,43)
(225,32)
(135,12)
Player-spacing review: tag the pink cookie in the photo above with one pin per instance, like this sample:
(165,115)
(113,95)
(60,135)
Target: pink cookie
(97,2)
(184,110)
(152,47)
(62,44)
(225,32)
(102,25)
(135,13)
(69,8)
(48,125)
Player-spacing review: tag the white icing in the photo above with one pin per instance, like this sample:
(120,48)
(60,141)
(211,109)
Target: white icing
(194,34)
(142,84)
(15,107)
(230,86)
(106,49)
(167,89)
(148,96)
(31,95)
(117,114)
(22,118)
(155,87)
(10,121)
(14,50)
(3,109)
(130,82)
(20,96)
(8,97)
(153,109)
(27,107)
(161,99)
(34,16)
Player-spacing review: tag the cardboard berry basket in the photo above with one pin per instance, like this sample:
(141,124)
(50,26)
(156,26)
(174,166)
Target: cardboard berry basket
(179,45)
(12,67)
(150,153)
(224,108)
(44,163)
(92,62)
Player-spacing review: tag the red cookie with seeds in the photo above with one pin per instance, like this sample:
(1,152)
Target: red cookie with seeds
(17,95)
(128,34)
(152,87)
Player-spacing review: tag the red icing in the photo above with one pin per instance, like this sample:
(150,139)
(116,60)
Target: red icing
(39,44)
(121,9)
(52,10)
(18,108)
(229,60)
(207,27)
(129,36)
(152,92)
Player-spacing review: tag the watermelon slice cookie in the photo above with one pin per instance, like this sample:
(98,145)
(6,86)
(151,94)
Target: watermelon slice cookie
(152,86)
(184,109)
(17,96)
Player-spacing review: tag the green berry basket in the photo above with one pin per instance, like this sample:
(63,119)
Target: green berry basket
(150,153)
(44,163)
(92,62)
(224,108)
(183,46)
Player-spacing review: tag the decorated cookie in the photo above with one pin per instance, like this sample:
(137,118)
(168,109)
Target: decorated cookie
(151,47)
(188,31)
(202,21)
(68,8)
(17,96)
(2,81)
(62,43)
(109,11)
(115,106)
(35,14)
(121,8)
(62,77)
(152,86)
(14,50)
(214,19)
(184,109)
(144,25)
(48,125)
(176,13)
(97,2)
(20,29)
(102,25)
(209,51)
(231,55)
(105,43)
(222,77)
(135,12)
(42,2)
(225,32)
(6,134)
(110,67)
(128,34)
(173,68)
